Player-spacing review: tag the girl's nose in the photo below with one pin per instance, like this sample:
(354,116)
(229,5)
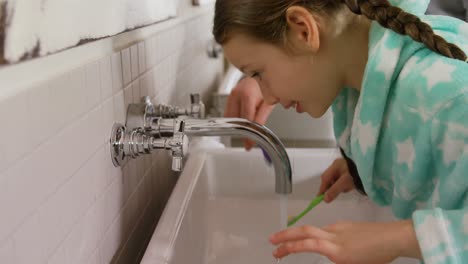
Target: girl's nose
(270,100)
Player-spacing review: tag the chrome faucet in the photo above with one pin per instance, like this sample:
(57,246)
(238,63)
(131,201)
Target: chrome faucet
(151,128)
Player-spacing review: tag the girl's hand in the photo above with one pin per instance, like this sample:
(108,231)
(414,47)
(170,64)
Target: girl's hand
(351,243)
(246,101)
(335,180)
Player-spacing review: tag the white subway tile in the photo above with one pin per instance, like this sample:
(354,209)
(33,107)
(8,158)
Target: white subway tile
(59,256)
(159,53)
(136,91)
(143,194)
(148,184)
(160,187)
(155,188)
(96,130)
(130,179)
(30,239)
(140,169)
(111,241)
(164,71)
(165,44)
(154,50)
(164,96)
(141,58)
(171,39)
(60,102)
(113,173)
(148,161)
(128,96)
(68,205)
(145,84)
(93,85)
(117,72)
(84,237)
(7,252)
(111,203)
(120,109)
(15,207)
(100,166)
(77,94)
(14,120)
(134,61)
(105,69)
(108,118)
(149,53)
(126,66)
(156,81)
(129,215)
(24,175)
(95,258)
(41,124)
(181,35)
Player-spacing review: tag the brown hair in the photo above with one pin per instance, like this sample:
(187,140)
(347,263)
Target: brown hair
(265,19)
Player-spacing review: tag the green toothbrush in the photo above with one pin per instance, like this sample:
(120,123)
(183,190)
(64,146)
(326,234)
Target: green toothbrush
(313,203)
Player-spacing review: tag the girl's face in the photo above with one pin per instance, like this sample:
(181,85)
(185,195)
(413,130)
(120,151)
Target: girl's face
(305,75)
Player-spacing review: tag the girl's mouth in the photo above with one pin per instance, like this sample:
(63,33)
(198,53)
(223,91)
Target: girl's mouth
(299,108)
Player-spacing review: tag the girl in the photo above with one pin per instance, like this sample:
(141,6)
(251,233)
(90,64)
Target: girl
(398,84)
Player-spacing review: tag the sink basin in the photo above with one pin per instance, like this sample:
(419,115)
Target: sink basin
(224,208)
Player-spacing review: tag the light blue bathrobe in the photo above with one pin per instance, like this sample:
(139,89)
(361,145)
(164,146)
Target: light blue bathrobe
(407,132)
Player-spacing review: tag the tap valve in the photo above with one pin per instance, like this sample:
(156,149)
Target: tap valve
(132,144)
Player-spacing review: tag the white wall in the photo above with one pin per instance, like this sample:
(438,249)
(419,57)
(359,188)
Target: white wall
(61,199)
(45,27)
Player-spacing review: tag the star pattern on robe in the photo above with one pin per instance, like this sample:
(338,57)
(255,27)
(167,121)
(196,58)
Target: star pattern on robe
(457,128)
(366,136)
(409,67)
(421,112)
(431,228)
(463,30)
(388,59)
(451,149)
(437,73)
(343,140)
(406,153)
(405,194)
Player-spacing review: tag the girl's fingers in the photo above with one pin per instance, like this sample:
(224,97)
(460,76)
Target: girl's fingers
(249,110)
(263,112)
(341,185)
(232,106)
(299,233)
(329,176)
(320,246)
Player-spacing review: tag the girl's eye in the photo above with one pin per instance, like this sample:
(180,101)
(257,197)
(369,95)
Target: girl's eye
(256,75)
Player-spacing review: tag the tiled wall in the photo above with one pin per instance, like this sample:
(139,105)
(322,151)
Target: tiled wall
(61,199)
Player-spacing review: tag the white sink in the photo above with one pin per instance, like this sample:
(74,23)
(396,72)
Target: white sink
(224,208)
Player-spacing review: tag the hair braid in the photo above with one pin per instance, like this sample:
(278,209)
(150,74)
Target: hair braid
(404,23)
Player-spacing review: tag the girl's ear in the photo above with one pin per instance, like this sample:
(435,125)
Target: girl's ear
(303,29)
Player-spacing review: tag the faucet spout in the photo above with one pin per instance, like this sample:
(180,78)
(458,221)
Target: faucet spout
(240,128)
(149,128)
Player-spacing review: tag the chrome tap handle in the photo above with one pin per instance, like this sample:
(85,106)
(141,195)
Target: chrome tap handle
(179,145)
(197,109)
(126,144)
